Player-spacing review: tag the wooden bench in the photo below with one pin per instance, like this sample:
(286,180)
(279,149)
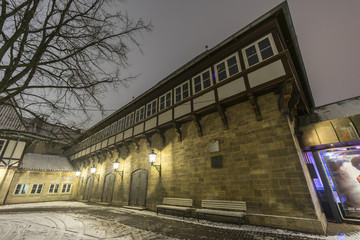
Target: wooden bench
(175,204)
(223,208)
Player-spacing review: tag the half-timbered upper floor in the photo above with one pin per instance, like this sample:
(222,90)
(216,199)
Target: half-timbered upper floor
(262,57)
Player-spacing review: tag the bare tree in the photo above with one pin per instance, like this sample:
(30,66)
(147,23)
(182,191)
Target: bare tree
(58,56)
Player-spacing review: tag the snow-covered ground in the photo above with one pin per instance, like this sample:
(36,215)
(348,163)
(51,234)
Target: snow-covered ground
(57,225)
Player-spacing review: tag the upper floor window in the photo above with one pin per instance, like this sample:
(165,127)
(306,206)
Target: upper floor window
(121,124)
(54,188)
(165,101)
(36,188)
(227,68)
(202,81)
(181,92)
(66,188)
(151,108)
(113,128)
(140,114)
(259,50)
(129,120)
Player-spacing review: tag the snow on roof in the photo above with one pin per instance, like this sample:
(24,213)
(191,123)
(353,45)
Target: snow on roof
(33,161)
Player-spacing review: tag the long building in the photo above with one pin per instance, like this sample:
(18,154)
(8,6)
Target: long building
(222,127)
(235,123)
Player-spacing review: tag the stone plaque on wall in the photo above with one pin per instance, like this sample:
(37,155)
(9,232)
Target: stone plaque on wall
(214,146)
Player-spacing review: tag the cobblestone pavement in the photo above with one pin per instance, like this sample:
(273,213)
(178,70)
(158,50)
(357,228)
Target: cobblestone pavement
(101,222)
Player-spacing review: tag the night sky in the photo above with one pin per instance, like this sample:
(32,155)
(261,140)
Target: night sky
(327,31)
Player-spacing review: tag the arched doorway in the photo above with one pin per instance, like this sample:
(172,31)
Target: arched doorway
(108,188)
(88,188)
(138,188)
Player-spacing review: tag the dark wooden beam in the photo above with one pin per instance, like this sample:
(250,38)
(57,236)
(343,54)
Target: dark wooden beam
(289,98)
(136,143)
(255,106)
(161,133)
(196,120)
(147,140)
(118,149)
(221,112)
(110,151)
(126,148)
(178,131)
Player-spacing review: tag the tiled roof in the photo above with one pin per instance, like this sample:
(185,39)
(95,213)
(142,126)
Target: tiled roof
(32,161)
(9,120)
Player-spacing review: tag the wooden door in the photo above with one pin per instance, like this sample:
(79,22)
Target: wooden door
(108,188)
(88,188)
(138,188)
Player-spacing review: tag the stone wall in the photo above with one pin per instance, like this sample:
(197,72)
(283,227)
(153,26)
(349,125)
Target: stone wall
(260,165)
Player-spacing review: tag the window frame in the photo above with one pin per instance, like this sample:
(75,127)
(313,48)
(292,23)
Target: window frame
(56,187)
(225,61)
(258,52)
(153,105)
(202,80)
(22,186)
(181,86)
(35,188)
(138,115)
(165,101)
(129,120)
(65,187)
(121,125)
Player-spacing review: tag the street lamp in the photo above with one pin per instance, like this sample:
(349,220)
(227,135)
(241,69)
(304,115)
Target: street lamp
(152,159)
(93,171)
(116,165)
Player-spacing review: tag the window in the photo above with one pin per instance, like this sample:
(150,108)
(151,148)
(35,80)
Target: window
(121,124)
(113,129)
(129,120)
(54,188)
(202,81)
(259,51)
(165,101)
(151,108)
(36,188)
(227,68)
(140,114)
(181,92)
(21,188)
(66,188)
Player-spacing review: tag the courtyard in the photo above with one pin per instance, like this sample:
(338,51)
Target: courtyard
(78,220)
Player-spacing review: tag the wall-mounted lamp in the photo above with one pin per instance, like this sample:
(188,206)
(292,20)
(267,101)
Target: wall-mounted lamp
(116,165)
(78,173)
(93,171)
(152,159)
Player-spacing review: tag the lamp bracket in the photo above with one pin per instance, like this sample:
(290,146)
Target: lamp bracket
(158,168)
(121,173)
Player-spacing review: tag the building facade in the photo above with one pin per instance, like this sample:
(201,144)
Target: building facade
(31,166)
(223,127)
